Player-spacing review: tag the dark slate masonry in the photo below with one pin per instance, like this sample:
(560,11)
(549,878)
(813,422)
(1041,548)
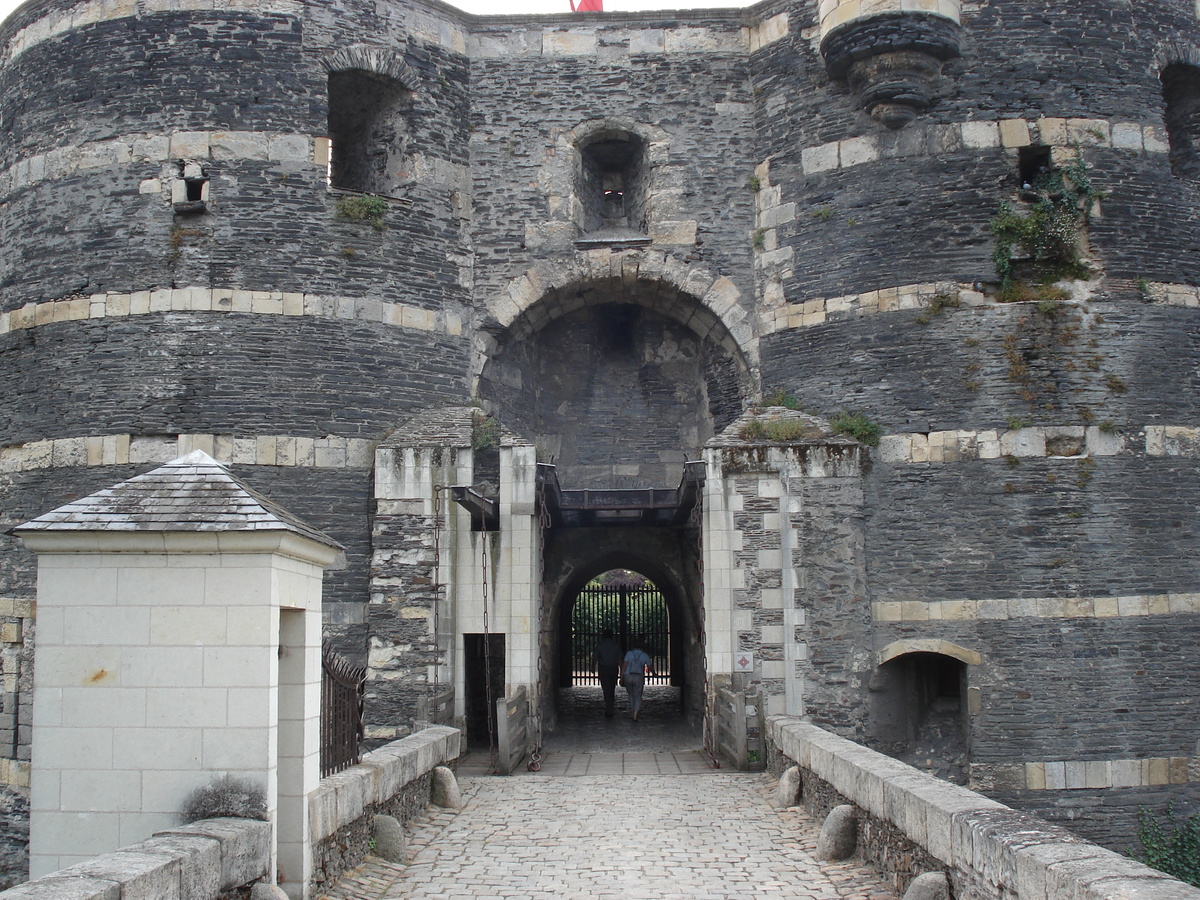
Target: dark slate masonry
(1046,599)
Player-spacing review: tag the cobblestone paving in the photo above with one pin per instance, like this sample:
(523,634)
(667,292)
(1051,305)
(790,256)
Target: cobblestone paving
(622,837)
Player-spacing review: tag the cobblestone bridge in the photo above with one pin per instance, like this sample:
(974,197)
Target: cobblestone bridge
(618,824)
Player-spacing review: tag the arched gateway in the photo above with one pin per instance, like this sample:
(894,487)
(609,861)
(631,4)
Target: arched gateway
(612,431)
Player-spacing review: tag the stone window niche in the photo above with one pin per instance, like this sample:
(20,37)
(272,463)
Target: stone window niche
(189,192)
(368,132)
(919,713)
(1033,163)
(1181,96)
(613,184)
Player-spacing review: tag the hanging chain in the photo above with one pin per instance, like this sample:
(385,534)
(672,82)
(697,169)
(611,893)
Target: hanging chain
(489,692)
(697,522)
(437,587)
(535,758)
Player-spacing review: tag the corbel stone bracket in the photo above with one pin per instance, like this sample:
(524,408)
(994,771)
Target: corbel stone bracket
(892,61)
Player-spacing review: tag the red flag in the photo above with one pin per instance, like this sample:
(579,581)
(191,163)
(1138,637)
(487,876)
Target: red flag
(588,6)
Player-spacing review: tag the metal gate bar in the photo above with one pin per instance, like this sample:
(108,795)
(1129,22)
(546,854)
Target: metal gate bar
(628,610)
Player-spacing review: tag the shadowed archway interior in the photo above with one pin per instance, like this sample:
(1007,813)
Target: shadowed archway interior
(613,387)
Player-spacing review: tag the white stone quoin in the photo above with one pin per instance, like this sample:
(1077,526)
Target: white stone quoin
(179,640)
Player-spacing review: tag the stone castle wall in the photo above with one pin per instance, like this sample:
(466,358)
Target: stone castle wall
(803,242)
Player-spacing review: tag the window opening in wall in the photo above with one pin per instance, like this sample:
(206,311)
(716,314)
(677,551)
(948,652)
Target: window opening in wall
(189,192)
(1033,164)
(1181,96)
(919,713)
(614,184)
(368,132)
(194,188)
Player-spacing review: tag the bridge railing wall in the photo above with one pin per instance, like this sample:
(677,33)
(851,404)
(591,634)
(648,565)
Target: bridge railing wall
(910,823)
(200,861)
(393,780)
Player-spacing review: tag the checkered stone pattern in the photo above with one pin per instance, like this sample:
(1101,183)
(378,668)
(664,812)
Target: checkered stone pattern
(758,605)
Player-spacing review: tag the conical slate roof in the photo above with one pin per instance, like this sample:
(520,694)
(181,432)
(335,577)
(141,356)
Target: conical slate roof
(192,493)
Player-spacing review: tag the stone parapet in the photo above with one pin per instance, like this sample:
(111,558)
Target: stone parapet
(394,780)
(837,13)
(425,25)
(989,850)
(383,773)
(194,862)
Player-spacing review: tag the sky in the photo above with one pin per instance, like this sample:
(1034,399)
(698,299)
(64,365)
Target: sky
(517,7)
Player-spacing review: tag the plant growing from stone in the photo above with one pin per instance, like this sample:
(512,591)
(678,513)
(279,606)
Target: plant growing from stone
(1050,231)
(782,398)
(1173,845)
(363,208)
(485,432)
(226,797)
(778,431)
(857,426)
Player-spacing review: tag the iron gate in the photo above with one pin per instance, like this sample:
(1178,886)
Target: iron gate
(341,712)
(629,607)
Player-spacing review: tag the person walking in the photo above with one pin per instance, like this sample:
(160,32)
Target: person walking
(607,656)
(634,669)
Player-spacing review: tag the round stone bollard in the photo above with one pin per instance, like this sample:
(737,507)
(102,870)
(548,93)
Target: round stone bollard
(445,789)
(930,886)
(839,834)
(787,792)
(390,841)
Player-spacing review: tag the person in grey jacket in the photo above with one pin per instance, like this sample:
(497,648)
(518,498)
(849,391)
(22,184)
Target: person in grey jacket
(634,669)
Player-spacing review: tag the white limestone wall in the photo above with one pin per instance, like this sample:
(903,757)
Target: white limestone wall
(721,541)
(505,566)
(158,670)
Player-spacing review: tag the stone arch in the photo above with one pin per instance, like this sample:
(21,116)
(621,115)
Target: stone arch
(384,61)
(1175,52)
(919,708)
(1179,76)
(928,645)
(620,364)
(576,557)
(668,584)
(370,98)
(552,288)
